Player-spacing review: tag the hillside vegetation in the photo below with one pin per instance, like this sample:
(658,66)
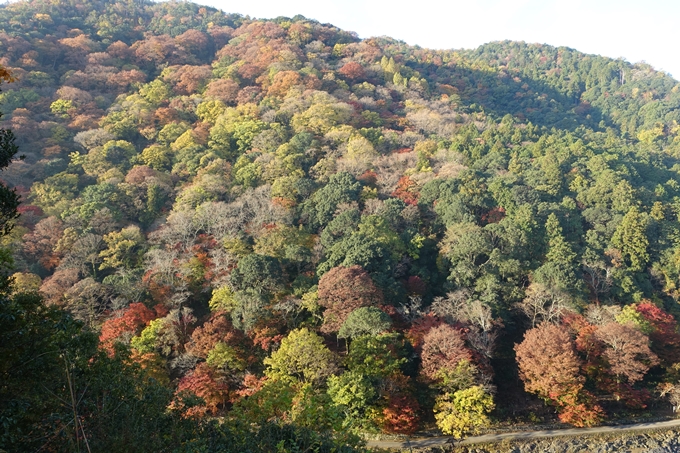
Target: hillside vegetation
(240,229)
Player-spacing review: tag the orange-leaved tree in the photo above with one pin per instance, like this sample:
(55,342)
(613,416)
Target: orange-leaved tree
(550,368)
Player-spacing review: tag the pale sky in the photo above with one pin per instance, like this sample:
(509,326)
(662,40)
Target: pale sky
(637,30)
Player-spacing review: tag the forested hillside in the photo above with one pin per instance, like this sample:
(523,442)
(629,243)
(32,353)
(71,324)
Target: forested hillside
(295,230)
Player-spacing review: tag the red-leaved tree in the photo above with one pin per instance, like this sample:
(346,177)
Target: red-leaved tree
(40,244)
(443,348)
(205,384)
(407,191)
(128,322)
(344,289)
(420,327)
(664,335)
(353,71)
(217,329)
(401,415)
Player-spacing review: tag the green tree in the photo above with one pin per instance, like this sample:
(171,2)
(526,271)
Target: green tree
(321,116)
(234,131)
(259,273)
(9,200)
(377,356)
(469,250)
(148,340)
(379,229)
(210,110)
(61,107)
(341,188)
(156,92)
(558,272)
(157,157)
(124,249)
(222,299)
(631,239)
(289,244)
(355,395)
(359,250)
(559,250)
(56,383)
(365,321)
(301,356)
(247,173)
(341,226)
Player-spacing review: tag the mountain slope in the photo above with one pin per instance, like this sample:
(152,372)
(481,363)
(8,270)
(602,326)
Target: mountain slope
(225,195)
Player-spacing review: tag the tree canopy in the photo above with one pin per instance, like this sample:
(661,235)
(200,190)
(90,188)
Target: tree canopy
(311,235)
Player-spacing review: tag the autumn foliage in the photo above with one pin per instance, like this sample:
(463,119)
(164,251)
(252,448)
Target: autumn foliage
(401,415)
(344,289)
(279,216)
(204,383)
(406,190)
(443,348)
(665,338)
(217,329)
(353,71)
(128,323)
(41,243)
(549,367)
(421,327)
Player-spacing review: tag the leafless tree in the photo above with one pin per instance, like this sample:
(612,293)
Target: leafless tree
(601,314)
(412,309)
(627,351)
(543,304)
(475,314)
(84,254)
(88,300)
(92,138)
(449,306)
(597,276)
(671,391)
(184,362)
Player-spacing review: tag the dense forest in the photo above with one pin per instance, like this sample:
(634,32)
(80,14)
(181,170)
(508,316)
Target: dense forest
(271,235)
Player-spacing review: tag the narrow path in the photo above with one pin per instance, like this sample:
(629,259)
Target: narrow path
(490,438)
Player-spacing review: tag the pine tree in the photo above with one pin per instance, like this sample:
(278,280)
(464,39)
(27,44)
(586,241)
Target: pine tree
(559,250)
(630,238)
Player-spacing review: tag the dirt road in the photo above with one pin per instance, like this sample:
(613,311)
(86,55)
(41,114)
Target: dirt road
(489,438)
